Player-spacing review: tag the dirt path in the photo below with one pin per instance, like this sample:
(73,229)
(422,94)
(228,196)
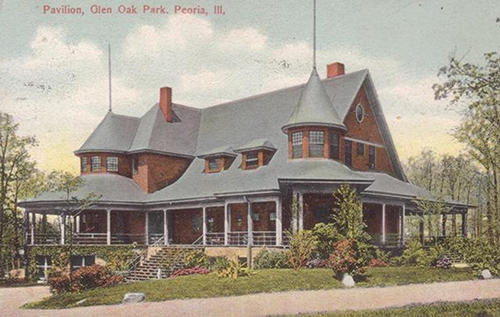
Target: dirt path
(267,304)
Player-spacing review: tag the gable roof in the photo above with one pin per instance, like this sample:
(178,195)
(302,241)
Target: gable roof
(314,107)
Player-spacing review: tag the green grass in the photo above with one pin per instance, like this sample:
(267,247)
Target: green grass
(478,308)
(202,286)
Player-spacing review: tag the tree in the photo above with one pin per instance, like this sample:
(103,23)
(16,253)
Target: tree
(16,166)
(348,214)
(475,91)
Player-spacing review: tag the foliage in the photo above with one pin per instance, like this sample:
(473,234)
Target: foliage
(234,270)
(302,246)
(347,257)
(316,263)
(220,264)
(348,215)
(382,255)
(267,259)
(415,255)
(206,286)
(295,214)
(116,257)
(443,262)
(374,262)
(190,271)
(432,211)
(326,235)
(197,258)
(84,278)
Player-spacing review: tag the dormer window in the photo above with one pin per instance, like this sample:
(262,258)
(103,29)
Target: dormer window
(96,163)
(296,144)
(83,164)
(112,164)
(214,164)
(316,143)
(251,160)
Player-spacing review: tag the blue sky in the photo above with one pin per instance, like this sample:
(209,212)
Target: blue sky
(212,59)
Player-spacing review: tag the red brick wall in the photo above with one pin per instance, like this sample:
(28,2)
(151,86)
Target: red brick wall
(312,204)
(156,171)
(184,231)
(217,213)
(124,163)
(372,216)
(264,210)
(94,221)
(366,130)
(238,210)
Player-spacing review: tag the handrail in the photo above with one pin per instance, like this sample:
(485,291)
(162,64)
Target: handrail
(132,264)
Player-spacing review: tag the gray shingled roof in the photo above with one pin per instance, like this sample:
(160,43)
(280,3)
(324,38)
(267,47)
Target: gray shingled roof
(263,144)
(158,135)
(314,107)
(115,133)
(387,185)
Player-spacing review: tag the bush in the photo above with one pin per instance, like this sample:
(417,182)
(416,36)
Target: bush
(316,263)
(443,263)
(84,278)
(302,246)
(348,257)
(266,259)
(197,259)
(415,255)
(374,262)
(233,269)
(326,236)
(190,271)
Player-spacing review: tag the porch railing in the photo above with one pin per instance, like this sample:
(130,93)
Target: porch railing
(215,238)
(264,238)
(90,238)
(45,238)
(238,238)
(128,238)
(154,237)
(391,240)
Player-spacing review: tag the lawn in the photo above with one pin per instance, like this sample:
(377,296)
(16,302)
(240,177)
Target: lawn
(482,308)
(202,286)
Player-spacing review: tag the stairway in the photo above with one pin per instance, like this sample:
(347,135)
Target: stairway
(173,256)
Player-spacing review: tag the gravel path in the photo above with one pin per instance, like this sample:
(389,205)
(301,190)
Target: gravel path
(266,304)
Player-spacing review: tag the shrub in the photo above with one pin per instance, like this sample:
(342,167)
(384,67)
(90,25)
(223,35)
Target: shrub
(374,262)
(233,269)
(84,278)
(266,259)
(302,246)
(326,236)
(347,258)
(316,263)
(190,271)
(220,263)
(197,259)
(443,263)
(415,255)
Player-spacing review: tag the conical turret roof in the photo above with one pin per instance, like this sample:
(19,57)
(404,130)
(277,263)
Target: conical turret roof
(314,107)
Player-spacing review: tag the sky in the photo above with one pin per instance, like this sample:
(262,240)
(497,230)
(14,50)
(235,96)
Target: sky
(54,67)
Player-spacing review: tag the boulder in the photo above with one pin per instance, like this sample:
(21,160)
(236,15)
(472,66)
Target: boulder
(486,274)
(133,298)
(348,281)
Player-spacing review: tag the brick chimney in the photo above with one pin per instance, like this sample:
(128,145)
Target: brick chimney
(166,103)
(334,70)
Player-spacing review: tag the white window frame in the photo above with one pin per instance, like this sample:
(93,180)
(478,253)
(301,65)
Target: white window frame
(112,161)
(358,107)
(84,161)
(297,140)
(45,265)
(94,160)
(253,160)
(316,138)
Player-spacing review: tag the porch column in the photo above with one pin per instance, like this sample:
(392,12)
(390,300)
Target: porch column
(108,225)
(32,228)
(279,223)
(63,228)
(204,225)
(77,222)
(421,230)
(146,230)
(464,224)
(301,211)
(444,219)
(454,223)
(402,232)
(165,227)
(249,224)
(227,222)
(383,223)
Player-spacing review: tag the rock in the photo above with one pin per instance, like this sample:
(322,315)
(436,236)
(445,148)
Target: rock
(348,281)
(486,274)
(81,302)
(133,298)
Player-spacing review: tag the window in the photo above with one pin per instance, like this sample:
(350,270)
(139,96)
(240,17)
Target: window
(296,144)
(83,164)
(96,163)
(112,164)
(78,261)
(214,164)
(371,157)
(316,143)
(135,165)
(252,160)
(348,153)
(334,146)
(360,149)
(43,263)
(360,113)
(272,216)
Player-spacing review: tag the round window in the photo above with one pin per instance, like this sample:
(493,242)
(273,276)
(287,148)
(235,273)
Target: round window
(360,113)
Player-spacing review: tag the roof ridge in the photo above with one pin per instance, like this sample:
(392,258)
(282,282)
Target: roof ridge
(282,89)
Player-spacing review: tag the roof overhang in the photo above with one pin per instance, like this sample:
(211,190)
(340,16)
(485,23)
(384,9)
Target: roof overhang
(285,128)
